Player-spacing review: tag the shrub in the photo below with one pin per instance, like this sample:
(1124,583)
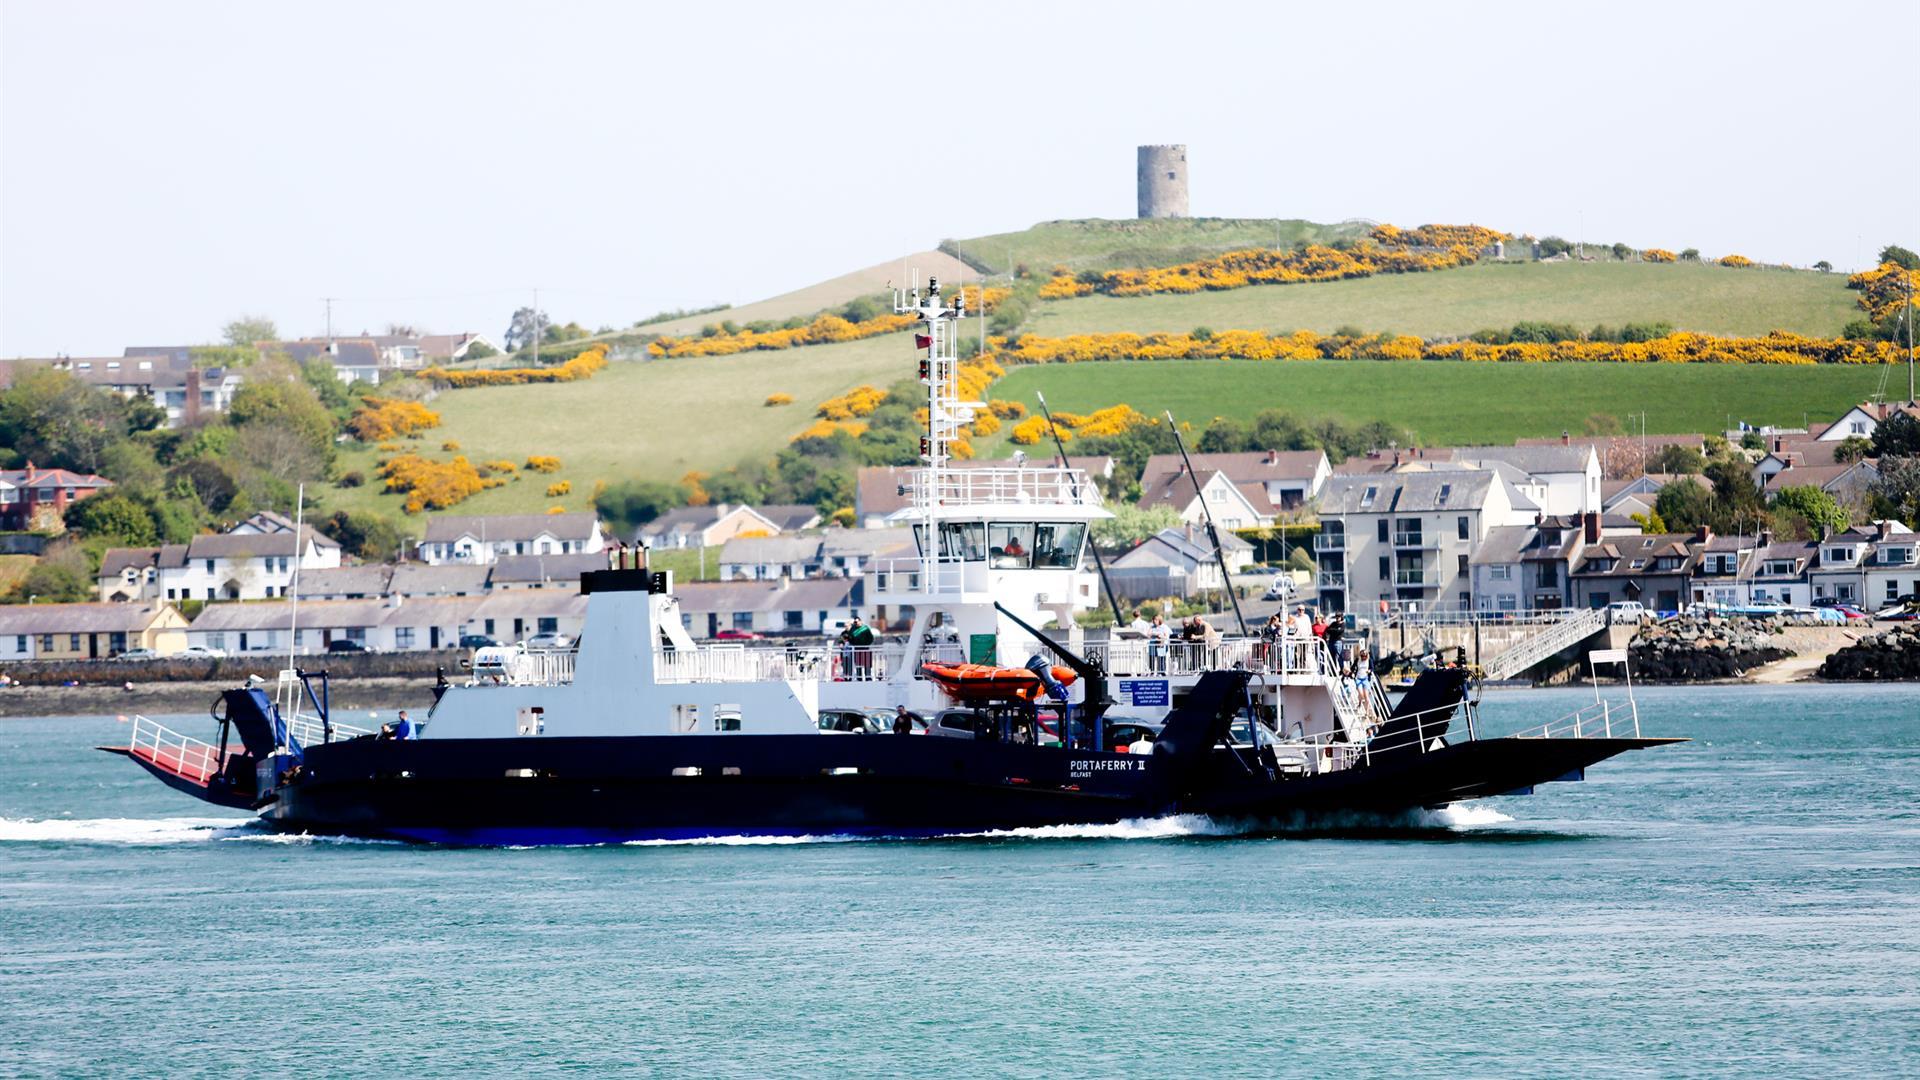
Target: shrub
(556,509)
(564,487)
(433,485)
(1737,262)
(579,367)
(1658,255)
(500,465)
(779,399)
(451,446)
(543,463)
(352,479)
(385,418)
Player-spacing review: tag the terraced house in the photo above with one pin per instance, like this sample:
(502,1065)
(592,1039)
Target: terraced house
(484,540)
(96,631)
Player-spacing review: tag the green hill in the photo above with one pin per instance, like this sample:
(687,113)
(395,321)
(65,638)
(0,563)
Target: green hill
(1452,403)
(1096,244)
(1708,299)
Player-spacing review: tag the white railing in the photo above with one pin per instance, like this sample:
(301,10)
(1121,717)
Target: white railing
(1047,486)
(308,730)
(512,666)
(1329,541)
(1596,721)
(1551,639)
(186,757)
(1333,579)
(831,663)
(1284,656)
(1457,617)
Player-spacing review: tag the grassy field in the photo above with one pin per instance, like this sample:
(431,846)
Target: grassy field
(656,419)
(1105,245)
(13,568)
(1451,403)
(1709,299)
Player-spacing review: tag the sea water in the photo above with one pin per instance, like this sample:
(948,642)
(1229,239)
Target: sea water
(1746,903)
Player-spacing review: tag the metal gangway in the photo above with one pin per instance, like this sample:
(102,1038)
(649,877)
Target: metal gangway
(1552,638)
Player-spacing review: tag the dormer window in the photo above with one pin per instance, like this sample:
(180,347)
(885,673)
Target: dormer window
(1367,496)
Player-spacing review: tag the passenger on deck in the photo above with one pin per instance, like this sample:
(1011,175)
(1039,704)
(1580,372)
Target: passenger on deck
(1159,636)
(902,722)
(1139,627)
(401,729)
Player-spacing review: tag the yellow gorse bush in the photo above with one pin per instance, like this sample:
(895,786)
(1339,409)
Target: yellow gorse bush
(563,487)
(580,367)
(1658,255)
(823,330)
(1778,347)
(543,463)
(434,485)
(1735,261)
(1472,237)
(1884,289)
(779,399)
(385,418)
(859,401)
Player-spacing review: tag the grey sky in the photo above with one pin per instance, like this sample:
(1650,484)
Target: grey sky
(164,167)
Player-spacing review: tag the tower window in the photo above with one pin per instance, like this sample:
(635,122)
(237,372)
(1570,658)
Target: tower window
(1170,176)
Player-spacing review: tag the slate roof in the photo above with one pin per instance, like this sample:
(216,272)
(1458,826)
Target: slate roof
(165,557)
(807,594)
(447,528)
(789,516)
(1408,492)
(448,579)
(522,569)
(105,618)
(771,549)
(346,580)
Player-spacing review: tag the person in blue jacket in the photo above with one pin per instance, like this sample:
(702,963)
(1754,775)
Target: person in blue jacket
(400,729)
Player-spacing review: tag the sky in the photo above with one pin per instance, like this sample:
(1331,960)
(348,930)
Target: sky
(165,168)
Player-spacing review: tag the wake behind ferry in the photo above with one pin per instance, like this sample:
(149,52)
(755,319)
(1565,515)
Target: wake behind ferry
(979,720)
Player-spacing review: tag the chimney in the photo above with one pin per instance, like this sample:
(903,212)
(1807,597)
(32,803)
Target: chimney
(1566,438)
(1885,527)
(1273,457)
(1702,534)
(1538,519)
(1766,538)
(1591,519)
(1779,444)
(191,410)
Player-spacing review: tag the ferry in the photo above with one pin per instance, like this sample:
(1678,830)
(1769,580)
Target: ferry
(993,712)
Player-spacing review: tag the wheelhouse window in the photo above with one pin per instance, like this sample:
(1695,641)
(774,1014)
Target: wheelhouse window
(963,540)
(1010,545)
(1057,545)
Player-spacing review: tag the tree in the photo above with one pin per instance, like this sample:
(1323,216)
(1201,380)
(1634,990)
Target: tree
(278,396)
(1677,459)
(1852,449)
(1623,252)
(633,503)
(1823,266)
(1553,245)
(248,329)
(1684,505)
(402,330)
(113,516)
(1899,256)
(480,350)
(324,380)
(1690,255)
(1650,523)
(1896,492)
(1897,436)
(1131,524)
(526,325)
(55,420)
(1819,509)
(368,536)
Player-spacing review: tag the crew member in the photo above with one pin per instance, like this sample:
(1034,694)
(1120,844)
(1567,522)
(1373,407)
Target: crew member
(400,730)
(902,721)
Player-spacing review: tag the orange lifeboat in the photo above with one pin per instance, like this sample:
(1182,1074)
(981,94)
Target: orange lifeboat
(984,682)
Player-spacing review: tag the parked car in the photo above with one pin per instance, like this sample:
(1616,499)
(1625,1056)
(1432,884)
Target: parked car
(200,652)
(547,642)
(731,634)
(1851,612)
(138,654)
(477,641)
(345,645)
(1280,589)
(1625,611)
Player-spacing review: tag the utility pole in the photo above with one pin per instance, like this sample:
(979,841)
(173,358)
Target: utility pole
(329,301)
(1909,314)
(536,327)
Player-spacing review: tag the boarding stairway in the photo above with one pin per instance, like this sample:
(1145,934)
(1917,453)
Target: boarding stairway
(1553,638)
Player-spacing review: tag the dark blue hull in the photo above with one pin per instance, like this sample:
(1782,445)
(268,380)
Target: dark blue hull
(611,790)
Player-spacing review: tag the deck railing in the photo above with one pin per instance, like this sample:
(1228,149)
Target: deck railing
(829,663)
(1011,487)
(184,756)
(309,731)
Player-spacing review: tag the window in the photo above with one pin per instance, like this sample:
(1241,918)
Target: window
(743,620)
(1010,545)
(1893,591)
(20,643)
(403,637)
(1367,496)
(1500,573)
(1386,568)
(1460,526)
(1446,492)
(73,642)
(1383,530)
(1057,546)
(209,566)
(794,620)
(964,540)
(216,641)
(46,642)
(1462,563)
(726,718)
(489,628)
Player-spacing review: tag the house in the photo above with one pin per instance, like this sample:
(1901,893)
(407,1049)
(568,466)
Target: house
(1867,565)
(704,526)
(1655,570)
(480,540)
(353,359)
(816,606)
(167,377)
(398,352)
(769,558)
(1265,483)
(790,517)
(1562,477)
(389,624)
(132,574)
(445,348)
(1863,419)
(36,500)
(1639,494)
(346,582)
(1850,483)
(1182,559)
(1406,538)
(252,561)
(447,579)
(96,631)
(1529,567)
(851,553)
(1722,568)
(880,491)
(1624,456)
(1776,573)
(544,571)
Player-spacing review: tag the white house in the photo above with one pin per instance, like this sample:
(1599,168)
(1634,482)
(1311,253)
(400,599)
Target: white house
(252,561)
(1565,477)
(481,540)
(1863,419)
(1893,570)
(389,624)
(1244,490)
(1183,549)
(1866,564)
(1406,538)
(543,571)
(769,558)
(785,606)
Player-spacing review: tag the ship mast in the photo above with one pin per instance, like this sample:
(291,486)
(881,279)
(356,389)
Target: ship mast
(946,413)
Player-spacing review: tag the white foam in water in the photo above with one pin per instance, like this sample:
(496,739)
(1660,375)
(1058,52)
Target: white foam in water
(1466,816)
(134,831)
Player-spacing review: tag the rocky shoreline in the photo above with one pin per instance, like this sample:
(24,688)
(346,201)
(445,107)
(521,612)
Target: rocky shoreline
(1707,647)
(1888,655)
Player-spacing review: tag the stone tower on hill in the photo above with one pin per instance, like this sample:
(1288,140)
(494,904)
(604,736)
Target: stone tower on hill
(1163,181)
